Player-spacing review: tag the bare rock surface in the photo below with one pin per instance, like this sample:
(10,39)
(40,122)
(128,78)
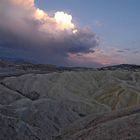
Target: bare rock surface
(112,90)
(8,96)
(71,105)
(118,125)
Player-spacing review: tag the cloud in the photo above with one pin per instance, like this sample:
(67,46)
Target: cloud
(100,57)
(48,39)
(121,51)
(98,23)
(136,52)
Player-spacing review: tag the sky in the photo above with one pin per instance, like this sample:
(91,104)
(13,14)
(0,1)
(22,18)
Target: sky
(71,33)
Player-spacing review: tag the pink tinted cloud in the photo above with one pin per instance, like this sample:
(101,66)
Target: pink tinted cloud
(100,57)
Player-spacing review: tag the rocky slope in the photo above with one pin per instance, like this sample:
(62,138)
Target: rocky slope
(68,105)
(117,125)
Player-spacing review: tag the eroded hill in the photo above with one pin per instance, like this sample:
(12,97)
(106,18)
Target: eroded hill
(82,105)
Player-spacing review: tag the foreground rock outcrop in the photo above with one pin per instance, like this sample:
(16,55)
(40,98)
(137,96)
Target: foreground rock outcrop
(82,105)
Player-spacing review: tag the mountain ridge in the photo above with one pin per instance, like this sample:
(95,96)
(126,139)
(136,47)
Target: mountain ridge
(23,64)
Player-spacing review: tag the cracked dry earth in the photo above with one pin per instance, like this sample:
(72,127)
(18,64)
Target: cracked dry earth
(89,105)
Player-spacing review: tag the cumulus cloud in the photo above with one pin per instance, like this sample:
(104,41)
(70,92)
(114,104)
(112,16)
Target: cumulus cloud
(48,39)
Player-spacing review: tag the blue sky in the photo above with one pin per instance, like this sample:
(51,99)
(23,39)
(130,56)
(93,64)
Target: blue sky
(116,21)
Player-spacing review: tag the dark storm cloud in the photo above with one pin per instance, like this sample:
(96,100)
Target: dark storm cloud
(40,39)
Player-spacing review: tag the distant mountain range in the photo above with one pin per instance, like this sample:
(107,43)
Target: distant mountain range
(130,67)
(31,65)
